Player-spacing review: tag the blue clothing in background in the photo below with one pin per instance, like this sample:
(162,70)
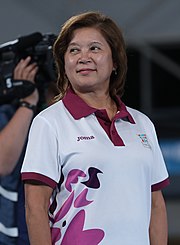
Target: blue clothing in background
(13,229)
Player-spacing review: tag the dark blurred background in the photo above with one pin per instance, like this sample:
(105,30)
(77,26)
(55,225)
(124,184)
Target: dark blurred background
(152,32)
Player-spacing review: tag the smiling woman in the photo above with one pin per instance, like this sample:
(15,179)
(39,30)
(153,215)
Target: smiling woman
(110,38)
(89,63)
(90,158)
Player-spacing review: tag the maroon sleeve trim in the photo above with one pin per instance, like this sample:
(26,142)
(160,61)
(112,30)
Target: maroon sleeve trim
(160,185)
(39,177)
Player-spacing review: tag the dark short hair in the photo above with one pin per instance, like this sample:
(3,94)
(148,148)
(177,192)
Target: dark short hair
(112,34)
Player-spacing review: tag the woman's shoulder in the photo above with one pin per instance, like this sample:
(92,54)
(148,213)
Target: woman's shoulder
(50,114)
(51,110)
(139,116)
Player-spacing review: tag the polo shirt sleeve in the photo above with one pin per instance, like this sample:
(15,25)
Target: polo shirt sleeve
(159,174)
(41,162)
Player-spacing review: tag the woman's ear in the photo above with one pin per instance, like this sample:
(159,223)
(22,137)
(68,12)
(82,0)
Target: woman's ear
(114,66)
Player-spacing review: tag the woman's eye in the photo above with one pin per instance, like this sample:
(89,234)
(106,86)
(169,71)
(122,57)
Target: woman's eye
(95,48)
(73,50)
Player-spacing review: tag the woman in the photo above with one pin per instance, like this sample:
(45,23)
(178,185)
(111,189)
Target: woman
(93,169)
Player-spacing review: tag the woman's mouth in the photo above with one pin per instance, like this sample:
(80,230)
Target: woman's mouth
(85,71)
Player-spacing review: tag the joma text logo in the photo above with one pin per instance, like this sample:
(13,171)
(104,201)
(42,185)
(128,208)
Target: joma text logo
(85,138)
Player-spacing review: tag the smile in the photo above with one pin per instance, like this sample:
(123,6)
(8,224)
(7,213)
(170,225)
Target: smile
(85,71)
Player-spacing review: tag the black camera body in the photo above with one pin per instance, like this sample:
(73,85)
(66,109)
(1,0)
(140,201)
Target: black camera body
(39,47)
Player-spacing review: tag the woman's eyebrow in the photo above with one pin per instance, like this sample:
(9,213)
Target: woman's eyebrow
(73,44)
(77,44)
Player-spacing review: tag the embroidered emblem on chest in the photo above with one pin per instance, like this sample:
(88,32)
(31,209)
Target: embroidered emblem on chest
(144,140)
(79,138)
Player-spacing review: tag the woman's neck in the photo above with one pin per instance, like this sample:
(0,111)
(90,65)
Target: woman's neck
(100,101)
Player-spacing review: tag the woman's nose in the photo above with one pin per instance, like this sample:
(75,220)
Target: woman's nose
(85,57)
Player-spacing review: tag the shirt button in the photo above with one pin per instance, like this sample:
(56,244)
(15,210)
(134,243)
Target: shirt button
(113,132)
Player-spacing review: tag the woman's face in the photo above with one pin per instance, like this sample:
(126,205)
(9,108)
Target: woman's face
(88,61)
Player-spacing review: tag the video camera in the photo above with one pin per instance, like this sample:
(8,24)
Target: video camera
(39,47)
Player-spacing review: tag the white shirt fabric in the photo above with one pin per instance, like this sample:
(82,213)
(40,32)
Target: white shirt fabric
(102,192)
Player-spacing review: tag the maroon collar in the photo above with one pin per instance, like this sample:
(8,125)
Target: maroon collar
(78,108)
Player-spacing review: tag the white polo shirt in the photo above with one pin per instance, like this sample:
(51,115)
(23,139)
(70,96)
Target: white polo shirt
(102,172)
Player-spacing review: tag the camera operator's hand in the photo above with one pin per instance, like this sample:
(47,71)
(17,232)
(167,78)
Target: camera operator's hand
(27,71)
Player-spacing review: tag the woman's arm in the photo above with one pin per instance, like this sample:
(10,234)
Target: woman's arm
(37,199)
(158,225)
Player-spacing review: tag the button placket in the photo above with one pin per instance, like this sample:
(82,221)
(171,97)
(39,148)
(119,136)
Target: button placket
(116,139)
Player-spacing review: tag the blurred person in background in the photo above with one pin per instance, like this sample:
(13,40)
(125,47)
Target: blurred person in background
(93,169)
(15,120)
(14,125)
